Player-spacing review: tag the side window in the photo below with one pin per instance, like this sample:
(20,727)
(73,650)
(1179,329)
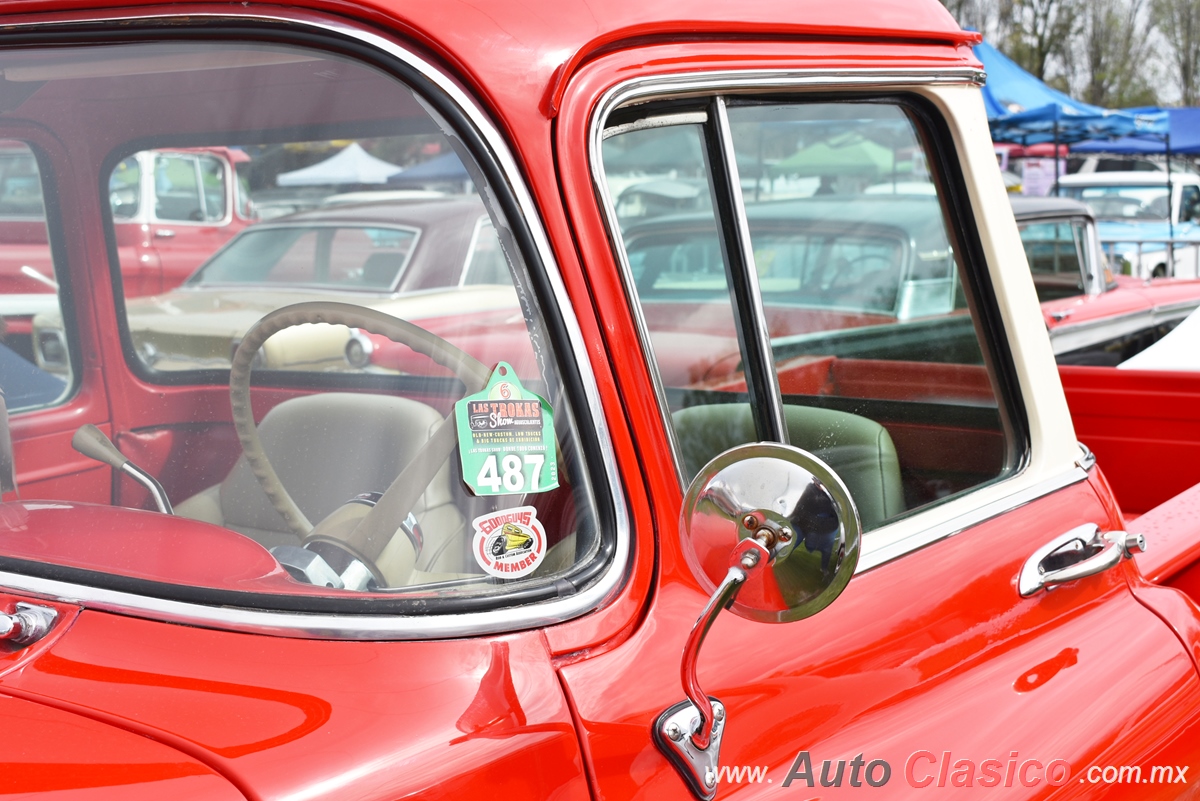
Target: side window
(176,192)
(189,188)
(1055,254)
(35,365)
(336,257)
(1189,205)
(125,189)
(838,235)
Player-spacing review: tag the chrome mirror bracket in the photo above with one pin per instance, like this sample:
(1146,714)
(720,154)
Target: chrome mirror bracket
(773,531)
(689,733)
(697,766)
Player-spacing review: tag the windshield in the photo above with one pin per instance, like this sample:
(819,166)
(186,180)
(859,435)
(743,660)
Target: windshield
(353,408)
(1123,203)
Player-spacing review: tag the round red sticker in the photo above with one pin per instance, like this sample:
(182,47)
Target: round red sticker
(509,543)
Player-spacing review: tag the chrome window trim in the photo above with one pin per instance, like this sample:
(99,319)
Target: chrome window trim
(757,342)
(908,534)
(900,543)
(368,626)
(706,83)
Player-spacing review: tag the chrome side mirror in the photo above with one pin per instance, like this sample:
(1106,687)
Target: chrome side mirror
(772,532)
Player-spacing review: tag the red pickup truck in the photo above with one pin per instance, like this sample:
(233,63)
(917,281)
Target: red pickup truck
(601,556)
(171,208)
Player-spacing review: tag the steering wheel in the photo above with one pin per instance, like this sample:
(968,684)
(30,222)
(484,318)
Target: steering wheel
(366,540)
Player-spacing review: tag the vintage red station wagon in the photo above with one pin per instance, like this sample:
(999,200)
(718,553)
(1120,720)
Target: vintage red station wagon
(594,555)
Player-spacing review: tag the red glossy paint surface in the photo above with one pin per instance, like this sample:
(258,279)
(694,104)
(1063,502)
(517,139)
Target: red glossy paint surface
(1172,532)
(1144,428)
(65,755)
(316,720)
(933,652)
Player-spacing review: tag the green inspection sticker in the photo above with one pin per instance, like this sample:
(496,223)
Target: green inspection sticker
(506,438)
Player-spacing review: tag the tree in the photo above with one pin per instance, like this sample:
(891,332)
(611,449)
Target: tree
(1179,23)
(1113,54)
(992,18)
(1042,30)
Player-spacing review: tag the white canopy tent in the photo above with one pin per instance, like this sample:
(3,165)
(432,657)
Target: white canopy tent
(350,165)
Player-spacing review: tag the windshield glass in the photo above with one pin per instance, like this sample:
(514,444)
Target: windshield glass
(353,405)
(1055,254)
(1123,203)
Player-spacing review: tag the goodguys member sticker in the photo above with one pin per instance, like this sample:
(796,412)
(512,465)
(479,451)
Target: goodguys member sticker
(506,438)
(509,543)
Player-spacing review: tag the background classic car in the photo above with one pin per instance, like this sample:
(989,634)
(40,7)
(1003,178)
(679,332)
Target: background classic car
(1094,316)
(172,207)
(185,658)
(373,254)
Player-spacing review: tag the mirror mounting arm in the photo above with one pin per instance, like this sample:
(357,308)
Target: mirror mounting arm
(748,557)
(779,519)
(689,733)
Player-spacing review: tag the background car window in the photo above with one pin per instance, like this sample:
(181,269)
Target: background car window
(1189,203)
(345,258)
(124,189)
(31,376)
(1055,253)
(876,354)
(1123,202)
(189,188)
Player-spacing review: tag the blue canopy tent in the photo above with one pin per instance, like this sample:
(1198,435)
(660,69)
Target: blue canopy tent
(1183,137)
(1023,110)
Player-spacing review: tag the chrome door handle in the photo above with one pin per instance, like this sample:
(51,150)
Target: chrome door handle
(1104,551)
(164,233)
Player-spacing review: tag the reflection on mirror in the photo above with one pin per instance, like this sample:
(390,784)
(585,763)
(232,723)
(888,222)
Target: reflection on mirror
(791,502)
(772,532)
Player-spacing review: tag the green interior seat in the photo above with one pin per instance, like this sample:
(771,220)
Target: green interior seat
(859,450)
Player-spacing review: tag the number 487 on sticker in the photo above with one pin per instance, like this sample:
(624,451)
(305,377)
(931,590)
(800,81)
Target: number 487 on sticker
(514,473)
(506,438)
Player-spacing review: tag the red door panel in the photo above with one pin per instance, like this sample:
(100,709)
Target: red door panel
(325,719)
(934,652)
(45,463)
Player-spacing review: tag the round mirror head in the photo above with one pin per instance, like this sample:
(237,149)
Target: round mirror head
(795,505)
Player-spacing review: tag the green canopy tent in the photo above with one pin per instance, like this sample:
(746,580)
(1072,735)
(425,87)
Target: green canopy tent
(843,155)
